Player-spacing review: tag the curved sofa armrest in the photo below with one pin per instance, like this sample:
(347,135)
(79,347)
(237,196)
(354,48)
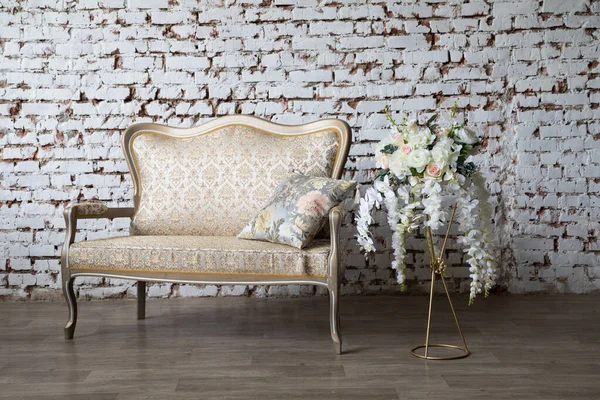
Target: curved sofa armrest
(336,215)
(337,211)
(96,209)
(87,210)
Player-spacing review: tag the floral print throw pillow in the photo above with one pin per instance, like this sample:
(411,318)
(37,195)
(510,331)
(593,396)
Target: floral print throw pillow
(298,210)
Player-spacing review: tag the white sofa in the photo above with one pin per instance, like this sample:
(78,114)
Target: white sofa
(195,189)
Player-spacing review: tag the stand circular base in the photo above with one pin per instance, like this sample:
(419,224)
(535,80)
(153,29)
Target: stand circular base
(448,346)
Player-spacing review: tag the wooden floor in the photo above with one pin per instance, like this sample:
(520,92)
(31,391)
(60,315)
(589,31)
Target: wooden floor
(237,348)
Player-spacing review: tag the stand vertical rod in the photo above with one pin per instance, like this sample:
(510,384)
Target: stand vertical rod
(429,238)
(429,314)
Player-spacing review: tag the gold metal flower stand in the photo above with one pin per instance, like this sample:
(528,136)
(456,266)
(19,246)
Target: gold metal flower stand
(438,267)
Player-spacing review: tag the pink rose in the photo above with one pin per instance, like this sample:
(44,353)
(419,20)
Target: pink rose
(396,137)
(406,149)
(313,204)
(434,170)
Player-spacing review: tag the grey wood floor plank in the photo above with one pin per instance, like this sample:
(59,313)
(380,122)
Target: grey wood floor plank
(82,396)
(413,370)
(533,385)
(96,388)
(488,394)
(369,393)
(258,386)
(11,376)
(212,371)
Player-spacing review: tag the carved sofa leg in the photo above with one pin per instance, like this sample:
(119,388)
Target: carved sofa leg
(334,319)
(141,300)
(333,282)
(72,303)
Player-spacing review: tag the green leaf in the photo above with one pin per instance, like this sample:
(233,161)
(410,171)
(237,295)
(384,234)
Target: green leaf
(466,149)
(431,119)
(433,128)
(454,110)
(466,169)
(391,120)
(381,173)
(389,149)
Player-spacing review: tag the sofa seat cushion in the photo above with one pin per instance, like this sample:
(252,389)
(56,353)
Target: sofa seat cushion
(200,254)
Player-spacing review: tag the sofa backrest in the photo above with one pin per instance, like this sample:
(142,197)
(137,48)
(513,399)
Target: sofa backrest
(211,180)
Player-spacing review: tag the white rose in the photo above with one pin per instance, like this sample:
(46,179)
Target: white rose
(399,164)
(419,159)
(441,152)
(421,139)
(466,136)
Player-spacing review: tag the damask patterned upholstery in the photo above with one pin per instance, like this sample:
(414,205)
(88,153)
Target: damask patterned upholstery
(213,184)
(89,208)
(200,254)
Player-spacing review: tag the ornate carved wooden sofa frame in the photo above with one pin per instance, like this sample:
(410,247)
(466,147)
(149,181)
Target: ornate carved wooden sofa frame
(254,128)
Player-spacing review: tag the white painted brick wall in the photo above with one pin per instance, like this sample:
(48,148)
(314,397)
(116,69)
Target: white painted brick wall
(526,74)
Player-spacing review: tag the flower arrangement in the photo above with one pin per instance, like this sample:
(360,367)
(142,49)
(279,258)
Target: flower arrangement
(420,168)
